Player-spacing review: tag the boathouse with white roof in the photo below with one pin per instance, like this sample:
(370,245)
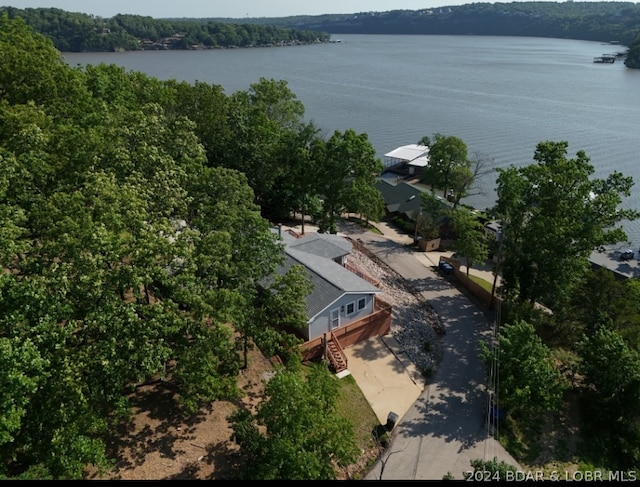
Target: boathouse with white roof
(407,158)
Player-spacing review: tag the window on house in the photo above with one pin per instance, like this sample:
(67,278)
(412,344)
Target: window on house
(361,303)
(351,308)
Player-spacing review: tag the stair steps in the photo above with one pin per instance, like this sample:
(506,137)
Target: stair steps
(336,357)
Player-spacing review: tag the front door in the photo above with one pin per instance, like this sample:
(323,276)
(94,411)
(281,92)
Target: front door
(335,318)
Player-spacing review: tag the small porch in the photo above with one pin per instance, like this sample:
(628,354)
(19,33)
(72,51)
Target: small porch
(331,346)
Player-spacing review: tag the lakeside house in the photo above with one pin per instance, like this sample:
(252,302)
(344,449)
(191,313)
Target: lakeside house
(343,307)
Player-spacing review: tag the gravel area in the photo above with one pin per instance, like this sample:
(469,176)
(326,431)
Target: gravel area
(415,325)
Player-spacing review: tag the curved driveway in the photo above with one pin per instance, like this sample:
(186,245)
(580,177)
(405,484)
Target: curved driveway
(444,430)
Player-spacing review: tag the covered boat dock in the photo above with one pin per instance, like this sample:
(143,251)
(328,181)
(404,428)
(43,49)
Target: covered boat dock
(406,159)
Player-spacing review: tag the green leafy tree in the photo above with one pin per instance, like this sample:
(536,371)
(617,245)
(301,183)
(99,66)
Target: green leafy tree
(553,216)
(208,107)
(234,251)
(465,178)
(612,371)
(274,99)
(296,433)
(126,258)
(366,201)
(33,70)
(92,291)
(348,171)
(284,300)
(296,189)
(527,381)
(282,307)
(23,373)
(470,241)
(433,213)
(632,59)
(449,167)
(260,118)
(116,86)
(629,325)
(613,303)
(460,178)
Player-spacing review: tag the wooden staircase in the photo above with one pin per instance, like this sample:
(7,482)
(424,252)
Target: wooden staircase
(335,354)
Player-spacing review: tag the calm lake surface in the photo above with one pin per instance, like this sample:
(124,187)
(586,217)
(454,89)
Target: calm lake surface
(500,95)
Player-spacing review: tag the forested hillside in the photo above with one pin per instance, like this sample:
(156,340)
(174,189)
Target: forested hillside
(592,21)
(595,21)
(134,247)
(77,32)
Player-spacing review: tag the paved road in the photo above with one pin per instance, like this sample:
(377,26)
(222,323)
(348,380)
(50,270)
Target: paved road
(444,430)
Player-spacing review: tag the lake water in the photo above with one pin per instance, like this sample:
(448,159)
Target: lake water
(500,95)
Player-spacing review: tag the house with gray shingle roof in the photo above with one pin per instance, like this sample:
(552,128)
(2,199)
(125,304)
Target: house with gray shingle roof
(401,199)
(339,297)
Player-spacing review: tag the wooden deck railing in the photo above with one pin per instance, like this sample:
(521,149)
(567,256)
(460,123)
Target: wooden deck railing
(375,324)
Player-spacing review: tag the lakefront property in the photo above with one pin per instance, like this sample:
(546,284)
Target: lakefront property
(343,307)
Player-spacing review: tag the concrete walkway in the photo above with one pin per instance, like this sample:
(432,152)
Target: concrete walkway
(444,428)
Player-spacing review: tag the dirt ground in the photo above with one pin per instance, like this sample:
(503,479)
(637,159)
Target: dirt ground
(162,445)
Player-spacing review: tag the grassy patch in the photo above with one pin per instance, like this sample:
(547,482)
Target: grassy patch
(486,285)
(513,439)
(354,406)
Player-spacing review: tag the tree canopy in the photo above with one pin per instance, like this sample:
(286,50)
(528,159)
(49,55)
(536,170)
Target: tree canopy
(136,234)
(80,32)
(470,243)
(296,433)
(135,241)
(449,166)
(592,21)
(347,171)
(612,373)
(527,381)
(553,215)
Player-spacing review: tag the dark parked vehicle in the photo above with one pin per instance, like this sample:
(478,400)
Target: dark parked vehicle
(627,254)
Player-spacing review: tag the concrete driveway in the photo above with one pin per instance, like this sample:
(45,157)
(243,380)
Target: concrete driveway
(385,375)
(441,427)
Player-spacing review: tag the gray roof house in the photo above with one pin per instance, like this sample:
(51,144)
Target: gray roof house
(401,199)
(339,297)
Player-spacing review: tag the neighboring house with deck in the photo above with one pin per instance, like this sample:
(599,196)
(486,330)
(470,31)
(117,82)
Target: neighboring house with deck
(343,306)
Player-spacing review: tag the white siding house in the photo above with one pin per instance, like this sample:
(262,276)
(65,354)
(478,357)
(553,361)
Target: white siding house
(339,297)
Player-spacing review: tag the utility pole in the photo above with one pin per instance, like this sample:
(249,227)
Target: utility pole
(415,233)
(496,269)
